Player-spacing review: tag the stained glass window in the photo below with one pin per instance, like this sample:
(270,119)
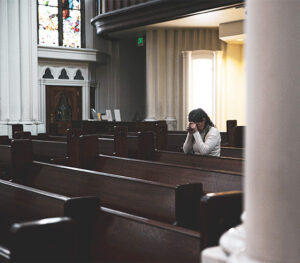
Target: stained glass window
(60,23)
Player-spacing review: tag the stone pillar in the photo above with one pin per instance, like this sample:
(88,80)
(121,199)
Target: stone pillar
(273,132)
(171,120)
(150,92)
(186,85)
(272,180)
(18,66)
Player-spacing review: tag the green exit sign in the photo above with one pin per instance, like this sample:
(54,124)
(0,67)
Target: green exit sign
(140,41)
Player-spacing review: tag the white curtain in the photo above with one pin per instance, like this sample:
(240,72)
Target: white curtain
(230,85)
(166,79)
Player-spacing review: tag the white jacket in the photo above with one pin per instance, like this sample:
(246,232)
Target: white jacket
(210,146)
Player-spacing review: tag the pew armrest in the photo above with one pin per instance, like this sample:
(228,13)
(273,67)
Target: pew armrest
(219,212)
(50,239)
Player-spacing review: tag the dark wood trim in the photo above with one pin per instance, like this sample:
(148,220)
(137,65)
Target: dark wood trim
(60,24)
(37,22)
(82,33)
(154,12)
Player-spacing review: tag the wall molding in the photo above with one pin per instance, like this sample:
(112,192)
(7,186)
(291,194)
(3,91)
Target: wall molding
(63,53)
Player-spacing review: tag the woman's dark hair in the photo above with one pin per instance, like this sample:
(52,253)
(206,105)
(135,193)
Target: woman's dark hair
(198,115)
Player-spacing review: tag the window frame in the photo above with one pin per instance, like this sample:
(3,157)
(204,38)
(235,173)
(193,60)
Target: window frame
(207,54)
(60,24)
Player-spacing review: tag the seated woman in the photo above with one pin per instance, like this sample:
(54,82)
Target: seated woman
(202,138)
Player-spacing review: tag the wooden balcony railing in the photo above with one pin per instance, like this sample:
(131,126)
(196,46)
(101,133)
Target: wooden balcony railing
(116,15)
(104,6)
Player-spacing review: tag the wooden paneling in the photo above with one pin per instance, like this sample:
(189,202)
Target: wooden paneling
(54,95)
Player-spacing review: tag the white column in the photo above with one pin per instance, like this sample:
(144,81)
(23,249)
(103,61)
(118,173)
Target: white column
(28,61)
(19,101)
(86,100)
(150,89)
(273,132)
(14,67)
(160,66)
(170,67)
(186,85)
(4,76)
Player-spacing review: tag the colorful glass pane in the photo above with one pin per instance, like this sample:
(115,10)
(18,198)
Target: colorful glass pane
(48,2)
(48,25)
(71,28)
(71,4)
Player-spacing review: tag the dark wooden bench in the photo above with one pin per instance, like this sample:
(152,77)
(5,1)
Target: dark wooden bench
(212,180)
(14,157)
(174,204)
(49,151)
(120,237)
(148,199)
(206,162)
(19,204)
(171,203)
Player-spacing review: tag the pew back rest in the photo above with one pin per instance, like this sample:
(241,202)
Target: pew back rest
(5,154)
(223,211)
(233,152)
(46,240)
(20,203)
(4,140)
(122,237)
(106,146)
(206,162)
(213,181)
(168,203)
(45,150)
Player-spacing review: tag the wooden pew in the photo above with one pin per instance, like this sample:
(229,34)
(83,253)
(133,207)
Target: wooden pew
(206,162)
(235,134)
(221,213)
(49,151)
(16,128)
(21,204)
(139,197)
(123,237)
(174,204)
(212,180)
(171,203)
(233,152)
(159,128)
(15,158)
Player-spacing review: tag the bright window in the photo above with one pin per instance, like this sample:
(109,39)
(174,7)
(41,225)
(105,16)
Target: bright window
(60,23)
(202,82)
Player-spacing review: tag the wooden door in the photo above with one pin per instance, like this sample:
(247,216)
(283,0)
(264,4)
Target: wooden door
(63,104)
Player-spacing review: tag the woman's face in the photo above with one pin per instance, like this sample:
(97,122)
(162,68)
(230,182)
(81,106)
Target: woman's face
(201,125)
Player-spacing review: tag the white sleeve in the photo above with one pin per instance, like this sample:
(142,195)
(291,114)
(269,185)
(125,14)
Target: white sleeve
(188,144)
(211,140)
